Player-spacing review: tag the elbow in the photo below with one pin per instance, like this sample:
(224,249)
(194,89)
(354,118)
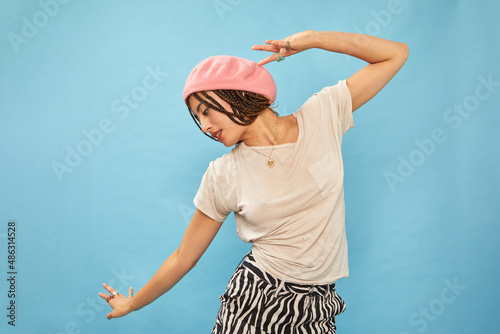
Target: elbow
(404,51)
(193,264)
(185,261)
(399,55)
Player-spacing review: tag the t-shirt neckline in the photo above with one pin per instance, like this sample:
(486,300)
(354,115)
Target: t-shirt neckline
(268,147)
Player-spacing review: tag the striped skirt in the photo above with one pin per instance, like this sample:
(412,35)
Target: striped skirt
(257,303)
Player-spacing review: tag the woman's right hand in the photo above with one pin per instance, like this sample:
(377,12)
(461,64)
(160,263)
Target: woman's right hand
(298,42)
(121,305)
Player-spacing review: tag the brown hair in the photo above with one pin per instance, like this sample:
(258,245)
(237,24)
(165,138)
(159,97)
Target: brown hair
(245,106)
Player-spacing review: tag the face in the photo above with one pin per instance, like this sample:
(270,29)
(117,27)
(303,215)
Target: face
(217,124)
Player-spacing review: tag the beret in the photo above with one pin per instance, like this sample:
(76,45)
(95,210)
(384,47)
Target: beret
(232,73)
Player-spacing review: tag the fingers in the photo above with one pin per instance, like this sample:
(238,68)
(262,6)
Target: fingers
(110,289)
(103,295)
(118,304)
(281,44)
(267,60)
(282,47)
(114,293)
(274,57)
(269,48)
(273,46)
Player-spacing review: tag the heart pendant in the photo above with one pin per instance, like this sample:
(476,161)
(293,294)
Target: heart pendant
(270,163)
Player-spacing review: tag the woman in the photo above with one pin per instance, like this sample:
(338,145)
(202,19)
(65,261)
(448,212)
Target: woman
(283,181)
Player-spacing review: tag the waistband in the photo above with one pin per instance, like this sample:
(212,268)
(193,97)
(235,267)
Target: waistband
(309,289)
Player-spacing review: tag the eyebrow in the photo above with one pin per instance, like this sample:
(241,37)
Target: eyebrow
(198,108)
(198,111)
(199,105)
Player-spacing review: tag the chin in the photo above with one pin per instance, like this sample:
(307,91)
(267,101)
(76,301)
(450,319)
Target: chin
(228,143)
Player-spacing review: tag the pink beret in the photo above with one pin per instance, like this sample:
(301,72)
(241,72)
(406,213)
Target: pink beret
(228,72)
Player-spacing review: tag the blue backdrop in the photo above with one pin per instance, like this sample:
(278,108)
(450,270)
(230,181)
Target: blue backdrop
(99,159)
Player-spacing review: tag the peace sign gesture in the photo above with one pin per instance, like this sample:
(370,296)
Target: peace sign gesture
(286,47)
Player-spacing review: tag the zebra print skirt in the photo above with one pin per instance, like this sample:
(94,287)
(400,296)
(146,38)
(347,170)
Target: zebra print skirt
(257,303)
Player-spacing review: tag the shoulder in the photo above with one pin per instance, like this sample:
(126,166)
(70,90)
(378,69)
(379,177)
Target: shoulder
(339,91)
(225,165)
(330,107)
(327,96)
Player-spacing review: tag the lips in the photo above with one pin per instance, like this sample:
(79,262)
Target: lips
(216,135)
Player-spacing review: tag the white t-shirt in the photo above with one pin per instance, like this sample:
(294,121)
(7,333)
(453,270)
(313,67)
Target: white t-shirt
(294,213)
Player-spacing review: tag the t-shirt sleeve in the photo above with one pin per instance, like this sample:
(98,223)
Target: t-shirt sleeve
(216,195)
(339,101)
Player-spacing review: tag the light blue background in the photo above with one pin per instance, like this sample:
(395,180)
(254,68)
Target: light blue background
(124,207)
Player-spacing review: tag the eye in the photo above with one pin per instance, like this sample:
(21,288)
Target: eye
(205,112)
(193,115)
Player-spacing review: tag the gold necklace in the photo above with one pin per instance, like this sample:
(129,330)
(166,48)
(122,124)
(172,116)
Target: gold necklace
(270,161)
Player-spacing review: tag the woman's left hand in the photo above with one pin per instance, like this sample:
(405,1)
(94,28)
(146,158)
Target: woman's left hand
(297,43)
(120,303)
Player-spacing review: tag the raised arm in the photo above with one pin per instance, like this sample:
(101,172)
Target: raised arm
(198,236)
(385,57)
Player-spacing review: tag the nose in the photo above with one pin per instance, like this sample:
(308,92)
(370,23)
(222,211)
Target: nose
(205,127)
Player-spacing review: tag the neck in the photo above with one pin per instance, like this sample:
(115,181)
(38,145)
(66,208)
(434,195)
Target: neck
(264,131)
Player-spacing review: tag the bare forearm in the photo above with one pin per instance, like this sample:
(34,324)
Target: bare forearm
(368,48)
(385,57)
(196,240)
(171,272)
(200,232)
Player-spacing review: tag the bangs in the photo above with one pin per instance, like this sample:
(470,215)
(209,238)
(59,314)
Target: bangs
(244,106)
(195,119)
